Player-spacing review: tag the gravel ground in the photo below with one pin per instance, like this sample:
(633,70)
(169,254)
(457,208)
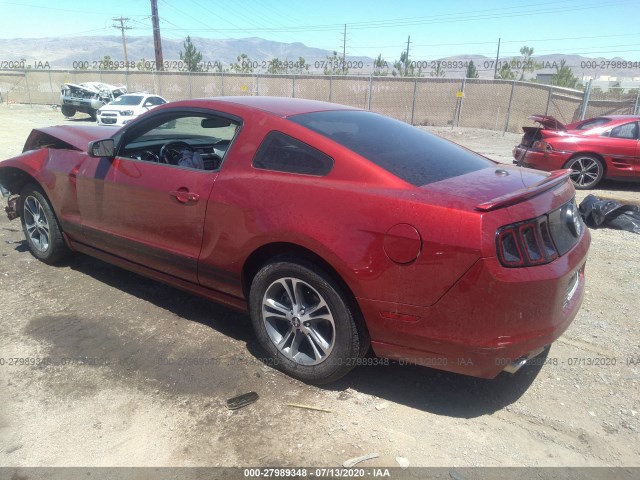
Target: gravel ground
(140,372)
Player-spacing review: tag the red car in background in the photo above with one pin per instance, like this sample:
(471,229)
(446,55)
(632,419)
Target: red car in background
(337,229)
(594,149)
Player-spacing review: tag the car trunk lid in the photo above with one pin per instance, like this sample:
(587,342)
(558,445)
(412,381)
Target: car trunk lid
(548,122)
(492,188)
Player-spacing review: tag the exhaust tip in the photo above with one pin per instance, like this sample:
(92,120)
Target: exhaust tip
(520,362)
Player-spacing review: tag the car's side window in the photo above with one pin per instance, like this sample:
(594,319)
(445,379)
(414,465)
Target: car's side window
(154,101)
(186,140)
(628,131)
(283,153)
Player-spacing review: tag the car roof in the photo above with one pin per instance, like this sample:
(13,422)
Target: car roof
(614,118)
(281,106)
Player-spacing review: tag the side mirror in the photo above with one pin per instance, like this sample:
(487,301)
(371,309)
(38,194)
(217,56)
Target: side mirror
(102,148)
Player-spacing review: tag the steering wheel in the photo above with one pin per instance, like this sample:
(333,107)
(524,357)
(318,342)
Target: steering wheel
(170,151)
(149,156)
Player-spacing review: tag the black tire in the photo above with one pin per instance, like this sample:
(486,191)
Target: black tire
(587,171)
(310,333)
(40,226)
(67,111)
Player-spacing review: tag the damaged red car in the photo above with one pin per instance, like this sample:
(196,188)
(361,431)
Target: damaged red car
(593,149)
(338,230)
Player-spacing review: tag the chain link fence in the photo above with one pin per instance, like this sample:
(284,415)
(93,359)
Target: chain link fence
(501,105)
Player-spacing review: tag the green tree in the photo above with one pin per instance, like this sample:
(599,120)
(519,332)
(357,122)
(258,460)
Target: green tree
(403,67)
(144,65)
(243,64)
(380,67)
(276,66)
(564,77)
(107,63)
(615,89)
(190,56)
(335,65)
(301,66)
(438,72)
(528,65)
(472,71)
(505,72)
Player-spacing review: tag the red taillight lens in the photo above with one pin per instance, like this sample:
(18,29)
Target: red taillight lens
(525,244)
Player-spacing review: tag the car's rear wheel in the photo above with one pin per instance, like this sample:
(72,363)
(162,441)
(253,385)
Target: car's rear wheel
(587,171)
(41,227)
(67,111)
(304,322)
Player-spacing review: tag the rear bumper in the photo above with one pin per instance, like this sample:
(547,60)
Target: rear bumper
(492,317)
(539,159)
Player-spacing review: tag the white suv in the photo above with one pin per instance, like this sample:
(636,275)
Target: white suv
(127,107)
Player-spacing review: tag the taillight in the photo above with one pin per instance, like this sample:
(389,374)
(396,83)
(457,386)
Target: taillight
(541,145)
(526,243)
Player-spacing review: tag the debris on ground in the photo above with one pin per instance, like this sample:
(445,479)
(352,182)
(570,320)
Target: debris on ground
(597,212)
(354,461)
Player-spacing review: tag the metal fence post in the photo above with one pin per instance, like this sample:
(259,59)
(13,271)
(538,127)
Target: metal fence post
(26,81)
(636,109)
(370,89)
(257,89)
(506,124)
(464,82)
(293,86)
(51,86)
(413,102)
(546,111)
(330,87)
(585,100)
(222,84)
(190,86)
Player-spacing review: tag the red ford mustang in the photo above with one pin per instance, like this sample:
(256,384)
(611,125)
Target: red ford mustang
(337,229)
(597,148)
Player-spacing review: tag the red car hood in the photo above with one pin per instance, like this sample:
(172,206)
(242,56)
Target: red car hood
(496,187)
(548,122)
(76,136)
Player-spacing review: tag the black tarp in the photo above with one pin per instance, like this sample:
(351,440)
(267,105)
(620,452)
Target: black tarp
(601,212)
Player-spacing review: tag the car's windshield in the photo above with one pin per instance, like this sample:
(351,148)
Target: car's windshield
(409,153)
(127,100)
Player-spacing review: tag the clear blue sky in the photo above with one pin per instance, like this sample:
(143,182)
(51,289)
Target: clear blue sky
(606,28)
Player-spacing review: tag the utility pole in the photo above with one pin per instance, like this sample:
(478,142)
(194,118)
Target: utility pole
(157,43)
(122,27)
(495,68)
(344,50)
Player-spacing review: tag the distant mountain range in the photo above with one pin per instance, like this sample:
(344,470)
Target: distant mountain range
(67,52)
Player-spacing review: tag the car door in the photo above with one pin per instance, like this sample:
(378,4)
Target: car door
(145,205)
(621,146)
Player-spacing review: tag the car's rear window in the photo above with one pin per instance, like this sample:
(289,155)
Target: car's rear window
(593,123)
(409,153)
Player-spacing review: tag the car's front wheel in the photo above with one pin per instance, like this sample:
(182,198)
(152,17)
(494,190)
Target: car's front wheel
(304,322)
(586,171)
(41,227)
(67,111)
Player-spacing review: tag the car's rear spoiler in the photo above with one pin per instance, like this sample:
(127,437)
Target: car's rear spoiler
(555,178)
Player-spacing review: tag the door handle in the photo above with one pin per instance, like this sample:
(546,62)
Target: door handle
(184,196)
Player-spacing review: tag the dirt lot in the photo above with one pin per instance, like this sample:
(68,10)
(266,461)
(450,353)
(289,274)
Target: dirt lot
(140,372)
